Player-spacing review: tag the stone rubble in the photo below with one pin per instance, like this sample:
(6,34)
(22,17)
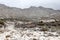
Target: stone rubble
(26,34)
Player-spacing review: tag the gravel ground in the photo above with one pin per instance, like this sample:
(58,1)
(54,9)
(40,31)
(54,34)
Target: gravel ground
(9,33)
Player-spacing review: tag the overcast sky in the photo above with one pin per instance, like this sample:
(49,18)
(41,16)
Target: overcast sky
(55,4)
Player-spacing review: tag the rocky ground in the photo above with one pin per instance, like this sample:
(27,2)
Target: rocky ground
(11,33)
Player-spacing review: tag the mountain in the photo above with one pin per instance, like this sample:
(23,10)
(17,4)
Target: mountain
(32,12)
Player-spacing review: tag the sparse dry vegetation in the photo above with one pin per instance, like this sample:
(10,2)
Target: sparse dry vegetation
(1,22)
(44,29)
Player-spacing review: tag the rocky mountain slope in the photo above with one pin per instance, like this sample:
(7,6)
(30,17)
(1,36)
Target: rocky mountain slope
(32,12)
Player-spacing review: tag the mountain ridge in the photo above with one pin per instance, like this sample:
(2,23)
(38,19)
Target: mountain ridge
(32,12)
